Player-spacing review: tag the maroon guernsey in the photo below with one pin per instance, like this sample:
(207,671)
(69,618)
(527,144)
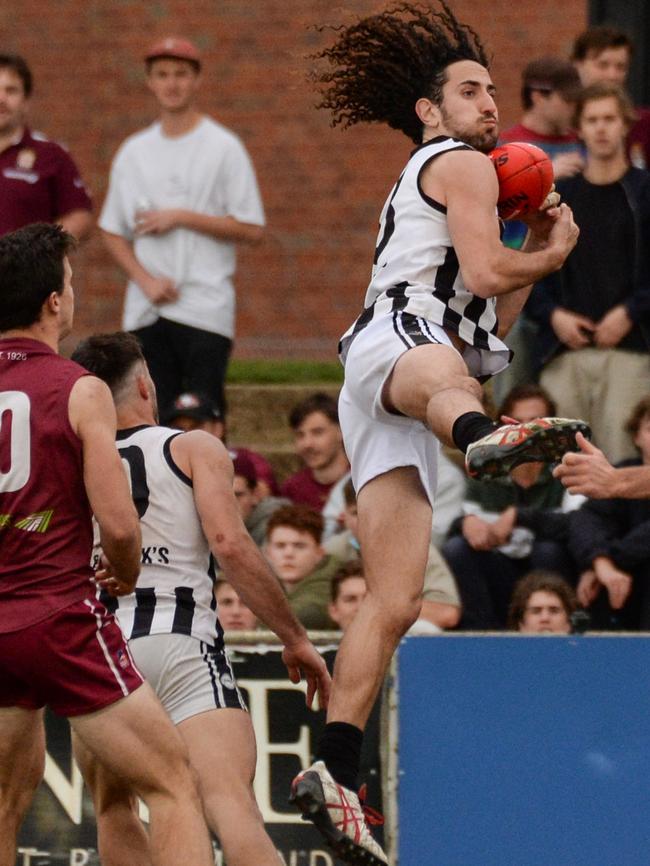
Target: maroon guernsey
(39,182)
(303,489)
(45,520)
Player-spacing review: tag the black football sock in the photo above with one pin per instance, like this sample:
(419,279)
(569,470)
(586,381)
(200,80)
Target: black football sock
(470,427)
(340,750)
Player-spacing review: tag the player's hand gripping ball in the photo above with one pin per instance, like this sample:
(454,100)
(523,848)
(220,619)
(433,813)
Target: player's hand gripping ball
(525,176)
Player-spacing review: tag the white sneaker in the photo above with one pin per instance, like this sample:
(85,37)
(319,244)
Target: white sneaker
(337,814)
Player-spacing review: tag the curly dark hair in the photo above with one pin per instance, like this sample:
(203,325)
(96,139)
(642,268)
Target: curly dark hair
(381,65)
(539,580)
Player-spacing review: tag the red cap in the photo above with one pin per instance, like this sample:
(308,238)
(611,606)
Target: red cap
(173,46)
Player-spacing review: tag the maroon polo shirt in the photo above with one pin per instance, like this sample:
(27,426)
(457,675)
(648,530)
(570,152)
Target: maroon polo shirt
(39,182)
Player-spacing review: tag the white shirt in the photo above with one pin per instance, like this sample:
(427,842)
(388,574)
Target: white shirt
(207,171)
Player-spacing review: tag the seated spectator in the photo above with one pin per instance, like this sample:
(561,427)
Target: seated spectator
(267,484)
(293,548)
(332,511)
(233,614)
(348,590)
(319,444)
(344,545)
(542,603)
(610,539)
(440,599)
(511,526)
(195,412)
(255,508)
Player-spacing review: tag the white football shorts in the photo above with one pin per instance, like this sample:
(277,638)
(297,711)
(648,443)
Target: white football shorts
(377,441)
(188,675)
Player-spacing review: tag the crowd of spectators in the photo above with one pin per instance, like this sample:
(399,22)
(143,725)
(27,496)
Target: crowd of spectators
(521,552)
(516,553)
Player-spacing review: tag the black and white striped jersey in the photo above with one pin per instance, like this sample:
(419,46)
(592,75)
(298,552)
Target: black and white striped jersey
(174,591)
(416,269)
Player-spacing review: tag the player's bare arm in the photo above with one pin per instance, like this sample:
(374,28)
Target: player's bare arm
(509,306)
(466,183)
(159,290)
(92,417)
(206,462)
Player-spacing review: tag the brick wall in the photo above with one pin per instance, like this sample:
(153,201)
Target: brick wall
(322,188)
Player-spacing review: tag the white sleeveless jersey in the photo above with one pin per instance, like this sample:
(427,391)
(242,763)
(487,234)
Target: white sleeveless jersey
(174,591)
(416,270)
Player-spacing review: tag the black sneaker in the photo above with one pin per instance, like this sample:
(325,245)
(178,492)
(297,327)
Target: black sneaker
(543,440)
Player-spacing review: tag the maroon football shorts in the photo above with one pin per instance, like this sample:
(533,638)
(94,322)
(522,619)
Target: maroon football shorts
(76,661)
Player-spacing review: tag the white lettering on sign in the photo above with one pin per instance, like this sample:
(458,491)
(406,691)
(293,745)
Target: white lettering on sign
(67,790)
(258,691)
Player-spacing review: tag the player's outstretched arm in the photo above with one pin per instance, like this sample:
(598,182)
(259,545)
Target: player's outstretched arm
(92,417)
(205,460)
(465,181)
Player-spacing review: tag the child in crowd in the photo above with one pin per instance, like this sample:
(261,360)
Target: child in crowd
(234,615)
(293,548)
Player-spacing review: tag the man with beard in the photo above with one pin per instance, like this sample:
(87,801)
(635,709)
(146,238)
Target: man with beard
(319,444)
(444,291)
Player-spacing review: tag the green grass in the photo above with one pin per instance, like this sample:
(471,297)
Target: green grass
(260,372)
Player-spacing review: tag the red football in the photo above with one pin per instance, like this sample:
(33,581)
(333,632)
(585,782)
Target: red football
(525,178)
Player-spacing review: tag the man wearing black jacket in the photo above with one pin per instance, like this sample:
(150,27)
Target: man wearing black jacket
(594,314)
(610,540)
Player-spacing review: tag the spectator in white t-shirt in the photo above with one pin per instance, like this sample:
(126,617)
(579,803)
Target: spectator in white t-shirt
(182,194)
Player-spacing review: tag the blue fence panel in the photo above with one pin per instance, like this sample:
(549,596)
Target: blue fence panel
(519,751)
